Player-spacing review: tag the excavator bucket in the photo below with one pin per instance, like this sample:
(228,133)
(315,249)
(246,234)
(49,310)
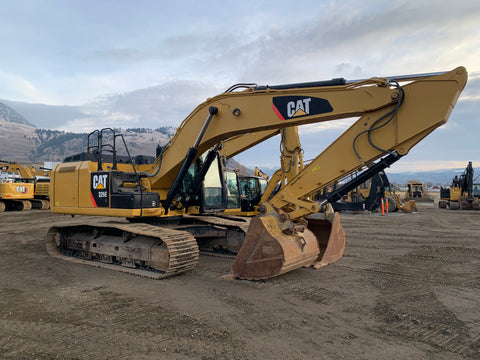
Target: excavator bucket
(331,240)
(267,251)
(409,206)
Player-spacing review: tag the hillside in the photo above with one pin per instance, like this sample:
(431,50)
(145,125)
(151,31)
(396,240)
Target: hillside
(44,116)
(21,141)
(17,141)
(24,143)
(9,114)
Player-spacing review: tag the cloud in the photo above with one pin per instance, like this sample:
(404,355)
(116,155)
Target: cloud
(341,124)
(472,90)
(14,86)
(157,69)
(164,105)
(270,46)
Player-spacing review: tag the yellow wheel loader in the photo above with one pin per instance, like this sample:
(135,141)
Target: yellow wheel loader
(170,209)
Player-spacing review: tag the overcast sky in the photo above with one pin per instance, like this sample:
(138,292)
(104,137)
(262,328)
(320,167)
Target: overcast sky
(73,52)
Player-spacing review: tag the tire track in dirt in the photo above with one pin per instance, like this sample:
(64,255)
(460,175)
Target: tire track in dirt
(407,287)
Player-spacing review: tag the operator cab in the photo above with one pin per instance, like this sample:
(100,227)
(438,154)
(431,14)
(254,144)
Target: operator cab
(252,189)
(219,190)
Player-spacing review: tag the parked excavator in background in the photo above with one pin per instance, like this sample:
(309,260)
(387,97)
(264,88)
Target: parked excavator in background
(260,173)
(39,177)
(251,191)
(179,204)
(369,196)
(463,194)
(15,194)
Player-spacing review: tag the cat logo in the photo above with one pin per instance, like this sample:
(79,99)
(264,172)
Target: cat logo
(99,182)
(99,192)
(289,107)
(300,107)
(22,189)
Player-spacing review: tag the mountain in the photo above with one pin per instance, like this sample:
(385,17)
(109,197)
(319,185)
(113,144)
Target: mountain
(24,143)
(430,178)
(7,113)
(46,116)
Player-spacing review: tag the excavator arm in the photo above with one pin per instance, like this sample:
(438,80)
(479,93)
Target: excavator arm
(395,131)
(390,131)
(262,110)
(248,117)
(424,104)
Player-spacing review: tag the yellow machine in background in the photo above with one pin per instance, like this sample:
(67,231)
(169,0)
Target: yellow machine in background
(251,190)
(40,179)
(416,191)
(14,193)
(369,195)
(180,203)
(463,194)
(406,206)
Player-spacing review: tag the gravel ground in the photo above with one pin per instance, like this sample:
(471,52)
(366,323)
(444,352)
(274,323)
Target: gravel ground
(408,287)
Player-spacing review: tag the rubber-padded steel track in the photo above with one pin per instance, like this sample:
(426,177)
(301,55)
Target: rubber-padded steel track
(182,248)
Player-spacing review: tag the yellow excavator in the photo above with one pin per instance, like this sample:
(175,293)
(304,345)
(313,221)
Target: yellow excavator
(39,177)
(178,204)
(463,194)
(252,188)
(15,194)
(369,195)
